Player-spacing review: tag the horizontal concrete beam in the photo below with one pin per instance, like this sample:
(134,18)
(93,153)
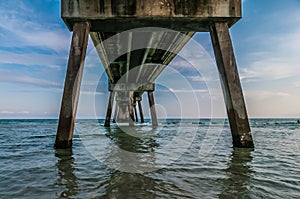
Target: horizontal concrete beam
(192,15)
(131,87)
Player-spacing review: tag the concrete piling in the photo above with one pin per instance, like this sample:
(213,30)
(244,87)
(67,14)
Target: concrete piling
(231,85)
(152,108)
(141,111)
(135,112)
(116,112)
(72,85)
(109,109)
(131,109)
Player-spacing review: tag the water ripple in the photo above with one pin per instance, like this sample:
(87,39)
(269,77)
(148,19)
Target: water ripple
(31,168)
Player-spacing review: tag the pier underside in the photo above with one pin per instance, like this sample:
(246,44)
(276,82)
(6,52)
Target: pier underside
(134,58)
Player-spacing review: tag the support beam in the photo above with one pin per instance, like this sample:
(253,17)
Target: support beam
(109,109)
(122,115)
(152,108)
(131,115)
(141,111)
(130,110)
(116,113)
(230,81)
(72,85)
(135,113)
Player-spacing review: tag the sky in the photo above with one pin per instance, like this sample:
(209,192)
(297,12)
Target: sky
(34,47)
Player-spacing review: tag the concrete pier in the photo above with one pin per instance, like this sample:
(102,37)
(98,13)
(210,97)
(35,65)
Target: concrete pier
(72,85)
(116,112)
(109,109)
(135,113)
(150,51)
(152,108)
(230,81)
(131,109)
(141,111)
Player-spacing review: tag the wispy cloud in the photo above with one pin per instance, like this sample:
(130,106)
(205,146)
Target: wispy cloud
(13,77)
(21,30)
(264,94)
(297,84)
(28,59)
(7,112)
(34,44)
(92,93)
(270,68)
(188,91)
(275,53)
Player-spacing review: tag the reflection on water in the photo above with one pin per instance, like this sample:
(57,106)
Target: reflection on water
(130,185)
(134,184)
(67,179)
(239,172)
(133,139)
(131,152)
(115,183)
(225,172)
(29,169)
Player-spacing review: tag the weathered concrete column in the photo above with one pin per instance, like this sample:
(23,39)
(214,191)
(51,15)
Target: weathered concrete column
(230,81)
(122,115)
(131,115)
(116,112)
(141,111)
(72,85)
(109,109)
(131,109)
(152,108)
(135,112)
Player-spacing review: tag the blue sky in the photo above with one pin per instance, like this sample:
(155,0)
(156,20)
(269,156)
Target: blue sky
(34,45)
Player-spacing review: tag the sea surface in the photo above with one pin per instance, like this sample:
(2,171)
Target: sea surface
(179,159)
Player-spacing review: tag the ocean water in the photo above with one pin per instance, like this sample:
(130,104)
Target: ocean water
(179,159)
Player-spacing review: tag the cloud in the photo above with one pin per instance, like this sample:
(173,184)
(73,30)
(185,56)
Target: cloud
(247,74)
(279,59)
(29,59)
(258,95)
(272,51)
(6,112)
(14,77)
(20,30)
(270,68)
(92,92)
(188,91)
(34,45)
